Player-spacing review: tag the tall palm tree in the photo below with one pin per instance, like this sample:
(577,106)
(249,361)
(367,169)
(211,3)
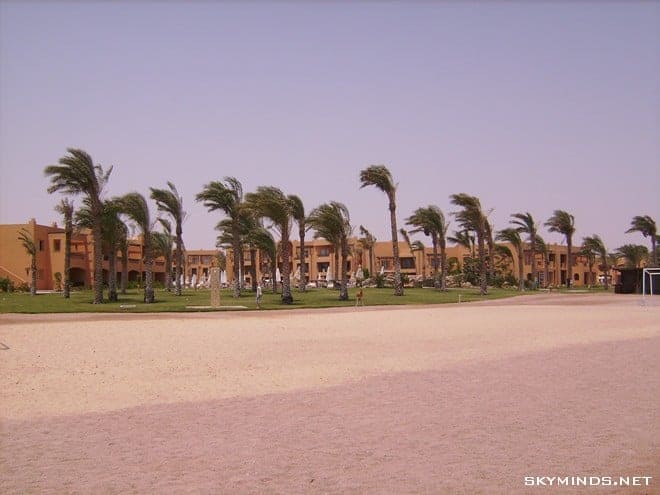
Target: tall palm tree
(525,224)
(271,203)
(512,236)
(596,245)
(163,246)
(227,197)
(368,241)
(563,223)
(332,221)
(646,226)
(633,254)
(65,208)
(77,174)
(431,221)
(171,202)
(543,248)
(472,218)
(418,246)
(380,177)
(31,249)
(135,207)
(113,232)
(298,210)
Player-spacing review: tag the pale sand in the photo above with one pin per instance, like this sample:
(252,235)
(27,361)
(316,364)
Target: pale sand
(450,399)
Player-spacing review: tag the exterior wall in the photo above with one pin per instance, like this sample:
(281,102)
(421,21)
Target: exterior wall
(49,240)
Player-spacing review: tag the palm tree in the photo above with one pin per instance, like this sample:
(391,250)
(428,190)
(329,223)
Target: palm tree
(77,174)
(264,241)
(270,202)
(171,202)
(135,207)
(31,249)
(512,236)
(543,248)
(525,224)
(464,239)
(113,232)
(332,221)
(163,246)
(65,208)
(227,197)
(418,246)
(596,245)
(380,177)
(123,248)
(563,223)
(431,221)
(633,254)
(298,211)
(472,218)
(646,226)
(368,241)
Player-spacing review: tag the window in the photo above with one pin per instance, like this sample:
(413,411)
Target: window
(57,245)
(41,245)
(193,260)
(206,259)
(324,251)
(407,263)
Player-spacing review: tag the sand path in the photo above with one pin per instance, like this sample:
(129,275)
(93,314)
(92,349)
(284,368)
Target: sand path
(451,399)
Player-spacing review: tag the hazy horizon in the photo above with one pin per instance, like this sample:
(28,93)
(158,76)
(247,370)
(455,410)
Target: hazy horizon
(528,106)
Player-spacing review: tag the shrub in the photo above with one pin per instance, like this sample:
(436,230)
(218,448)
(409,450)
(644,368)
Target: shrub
(6,285)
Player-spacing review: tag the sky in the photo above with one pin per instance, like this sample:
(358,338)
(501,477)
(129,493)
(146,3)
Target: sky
(530,106)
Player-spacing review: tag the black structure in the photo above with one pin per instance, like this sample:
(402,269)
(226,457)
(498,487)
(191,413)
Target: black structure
(630,282)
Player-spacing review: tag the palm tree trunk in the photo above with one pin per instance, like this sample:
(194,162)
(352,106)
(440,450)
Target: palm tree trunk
(149,271)
(179,260)
(521,268)
(398,283)
(168,272)
(273,274)
(253,268)
(443,265)
(33,275)
(436,281)
(238,254)
(335,272)
(98,258)
(483,287)
(606,270)
(68,231)
(491,251)
(124,267)
(532,248)
(303,281)
(112,275)
(287,298)
(343,291)
(569,261)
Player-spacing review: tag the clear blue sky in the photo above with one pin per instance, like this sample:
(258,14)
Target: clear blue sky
(509,101)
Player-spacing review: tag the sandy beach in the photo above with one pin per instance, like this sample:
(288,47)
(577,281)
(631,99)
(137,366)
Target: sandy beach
(462,398)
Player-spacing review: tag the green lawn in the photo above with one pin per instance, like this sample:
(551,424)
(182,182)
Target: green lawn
(81,301)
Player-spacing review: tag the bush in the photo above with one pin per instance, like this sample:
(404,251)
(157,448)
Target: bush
(6,285)
(380,281)
(22,287)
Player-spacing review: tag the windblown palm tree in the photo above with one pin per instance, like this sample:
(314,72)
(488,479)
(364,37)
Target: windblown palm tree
(171,202)
(271,203)
(332,221)
(380,177)
(264,241)
(472,218)
(113,233)
(368,241)
(525,224)
(77,174)
(431,221)
(31,249)
(646,226)
(512,236)
(563,223)
(298,210)
(418,246)
(135,207)
(633,254)
(65,208)
(464,239)
(163,246)
(543,248)
(227,197)
(596,245)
